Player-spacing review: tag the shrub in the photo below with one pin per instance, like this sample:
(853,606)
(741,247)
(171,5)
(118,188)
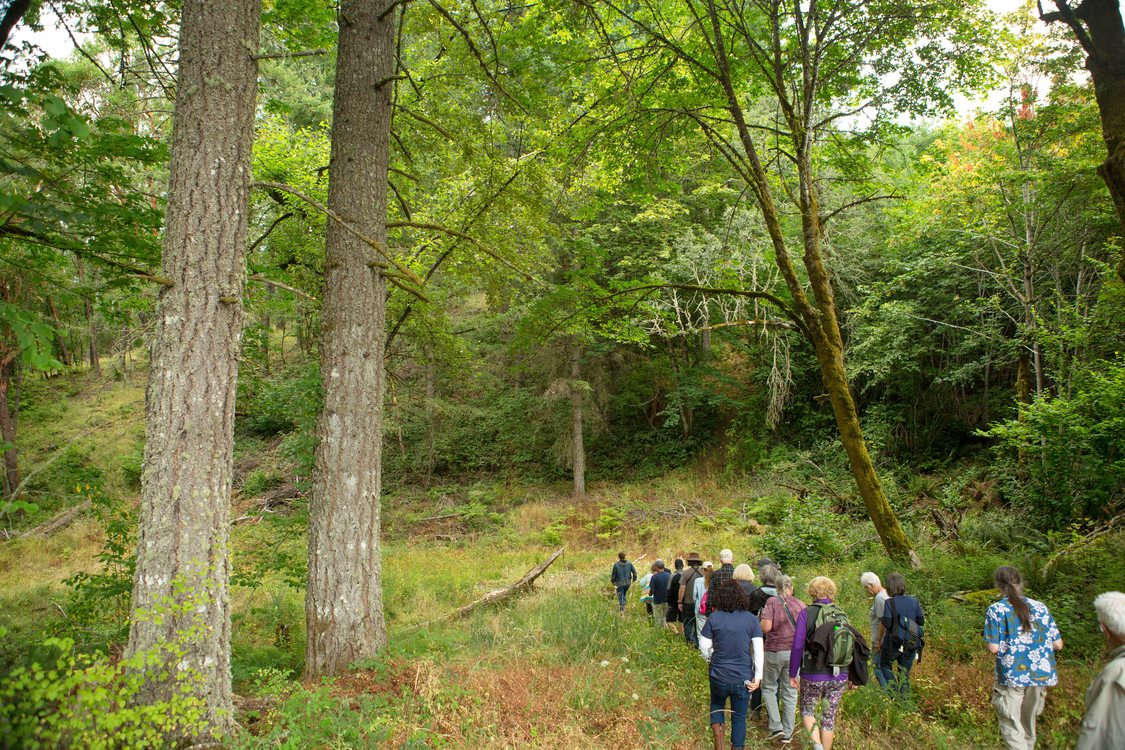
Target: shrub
(87,701)
(1066,455)
(809,532)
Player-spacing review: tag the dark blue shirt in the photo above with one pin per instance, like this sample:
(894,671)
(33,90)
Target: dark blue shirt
(904,605)
(730,634)
(658,585)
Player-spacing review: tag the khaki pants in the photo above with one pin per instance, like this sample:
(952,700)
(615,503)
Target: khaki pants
(1017,709)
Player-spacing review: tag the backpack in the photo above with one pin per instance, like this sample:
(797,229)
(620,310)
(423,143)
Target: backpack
(841,641)
(687,583)
(906,634)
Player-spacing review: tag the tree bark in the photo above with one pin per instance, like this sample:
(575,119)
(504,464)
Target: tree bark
(344,599)
(1099,28)
(819,315)
(91,324)
(64,353)
(182,560)
(8,425)
(576,418)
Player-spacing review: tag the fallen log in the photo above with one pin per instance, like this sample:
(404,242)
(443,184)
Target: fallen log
(499,595)
(59,521)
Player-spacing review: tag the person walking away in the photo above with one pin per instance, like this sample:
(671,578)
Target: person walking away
(646,592)
(1103,726)
(1024,638)
(811,657)
(779,626)
(744,574)
(903,636)
(658,585)
(725,571)
(672,618)
(687,598)
(702,587)
(622,576)
(727,641)
(768,574)
(874,588)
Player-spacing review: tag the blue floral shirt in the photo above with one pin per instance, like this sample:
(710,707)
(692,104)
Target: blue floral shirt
(1024,659)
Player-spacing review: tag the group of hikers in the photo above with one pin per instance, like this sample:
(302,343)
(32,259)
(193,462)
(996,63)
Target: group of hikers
(766,647)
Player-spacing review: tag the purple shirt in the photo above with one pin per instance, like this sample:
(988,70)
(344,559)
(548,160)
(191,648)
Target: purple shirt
(798,651)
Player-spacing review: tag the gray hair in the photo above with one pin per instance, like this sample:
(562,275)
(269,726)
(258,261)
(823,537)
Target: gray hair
(784,583)
(770,574)
(869,579)
(726,556)
(1110,607)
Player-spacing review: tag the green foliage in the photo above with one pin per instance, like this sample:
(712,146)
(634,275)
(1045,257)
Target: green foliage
(318,718)
(98,601)
(87,701)
(807,532)
(1066,455)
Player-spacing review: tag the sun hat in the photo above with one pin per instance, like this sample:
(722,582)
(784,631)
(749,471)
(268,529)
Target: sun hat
(693,558)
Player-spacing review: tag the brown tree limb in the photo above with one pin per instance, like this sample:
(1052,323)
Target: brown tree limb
(499,595)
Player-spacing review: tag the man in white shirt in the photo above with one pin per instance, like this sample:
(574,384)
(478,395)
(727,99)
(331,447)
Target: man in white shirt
(874,587)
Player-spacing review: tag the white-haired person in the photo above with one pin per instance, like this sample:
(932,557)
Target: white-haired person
(874,588)
(1103,727)
(725,572)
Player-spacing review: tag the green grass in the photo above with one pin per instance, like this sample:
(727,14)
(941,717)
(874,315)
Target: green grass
(555,668)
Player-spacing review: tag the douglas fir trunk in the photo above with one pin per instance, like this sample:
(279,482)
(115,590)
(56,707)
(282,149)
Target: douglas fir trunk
(180,591)
(344,604)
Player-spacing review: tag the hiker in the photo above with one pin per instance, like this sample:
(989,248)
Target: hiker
(672,617)
(727,641)
(744,574)
(725,572)
(902,626)
(1103,726)
(779,625)
(874,588)
(622,576)
(687,598)
(646,592)
(658,584)
(768,573)
(1023,636)
(826,653)
(702,590)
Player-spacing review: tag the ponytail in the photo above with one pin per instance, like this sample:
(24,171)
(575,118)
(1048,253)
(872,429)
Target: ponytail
(1010,583)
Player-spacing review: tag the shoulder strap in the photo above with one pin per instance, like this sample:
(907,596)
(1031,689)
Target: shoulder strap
(785,606)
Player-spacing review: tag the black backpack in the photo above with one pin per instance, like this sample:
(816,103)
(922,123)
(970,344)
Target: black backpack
(906,634)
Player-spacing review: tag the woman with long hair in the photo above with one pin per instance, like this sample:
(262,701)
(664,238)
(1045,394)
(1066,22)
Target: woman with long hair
(702,586)
(1024,638)
(727,641)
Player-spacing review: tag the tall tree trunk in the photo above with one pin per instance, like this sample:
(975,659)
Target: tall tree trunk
(64,353)
(577,396)
(821,325)
(431,420)
(8,424)
(344,599)
(91,323)
(182,560)
(1099,28)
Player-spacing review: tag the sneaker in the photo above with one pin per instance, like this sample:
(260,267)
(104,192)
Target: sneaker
(786,740)
(776,735)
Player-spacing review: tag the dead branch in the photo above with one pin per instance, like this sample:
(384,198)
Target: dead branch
(59,521)
(499,595)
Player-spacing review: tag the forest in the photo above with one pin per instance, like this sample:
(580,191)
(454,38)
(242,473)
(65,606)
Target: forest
(344,344)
